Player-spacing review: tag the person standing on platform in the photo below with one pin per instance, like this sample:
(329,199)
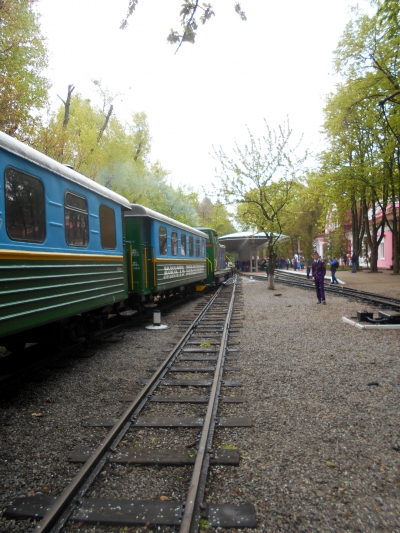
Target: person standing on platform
(354,259)
(318,274)
(308,266)
(334,265)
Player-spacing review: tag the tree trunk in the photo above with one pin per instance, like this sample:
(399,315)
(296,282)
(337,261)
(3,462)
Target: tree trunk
(104,126)
(271,264)
(394,224)
(372,230)
(67,105)
(358,227)
(374,257)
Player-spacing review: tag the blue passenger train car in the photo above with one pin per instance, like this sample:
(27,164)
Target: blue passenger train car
(61,247)
(72,251)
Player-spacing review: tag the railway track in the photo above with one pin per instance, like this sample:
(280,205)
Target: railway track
(301,282)
(33,358)
(207,346)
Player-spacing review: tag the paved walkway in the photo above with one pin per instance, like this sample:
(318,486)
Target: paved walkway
(383,282)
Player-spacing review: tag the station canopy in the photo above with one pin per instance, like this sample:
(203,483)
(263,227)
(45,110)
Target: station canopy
(241,241)
(246,244)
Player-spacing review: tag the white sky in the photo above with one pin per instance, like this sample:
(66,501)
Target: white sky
(276,64)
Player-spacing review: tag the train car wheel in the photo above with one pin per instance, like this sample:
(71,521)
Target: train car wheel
(15,345)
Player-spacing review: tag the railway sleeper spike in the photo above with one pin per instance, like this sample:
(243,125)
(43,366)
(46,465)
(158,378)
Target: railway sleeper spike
(379,320)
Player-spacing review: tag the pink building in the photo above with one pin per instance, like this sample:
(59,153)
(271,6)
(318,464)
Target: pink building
(385,250)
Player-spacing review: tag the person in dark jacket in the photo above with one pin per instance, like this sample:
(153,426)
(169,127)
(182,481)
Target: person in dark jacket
(334,265)
(318,269)
(354,260)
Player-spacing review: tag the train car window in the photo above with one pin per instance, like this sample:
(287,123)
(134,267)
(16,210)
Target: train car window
(191,248)
(197,247)
(203,248)
(107,228)
(183,244)
(146,231)
(162,239)
(25,207)
(174,242)
(76,220)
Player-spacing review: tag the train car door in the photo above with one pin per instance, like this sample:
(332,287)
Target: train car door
(147,255)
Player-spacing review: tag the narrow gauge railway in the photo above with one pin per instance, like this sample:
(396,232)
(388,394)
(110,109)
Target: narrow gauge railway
(36,357)
(363,296)
(206,340)
(73,251)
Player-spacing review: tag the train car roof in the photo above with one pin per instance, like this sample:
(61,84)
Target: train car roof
(141,211)
(34,156)
(207,229)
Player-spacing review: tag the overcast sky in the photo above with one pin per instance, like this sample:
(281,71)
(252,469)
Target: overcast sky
(275,65)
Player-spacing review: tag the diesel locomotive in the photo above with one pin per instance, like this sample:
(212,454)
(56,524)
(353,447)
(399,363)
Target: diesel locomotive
(73,251)
(217,268)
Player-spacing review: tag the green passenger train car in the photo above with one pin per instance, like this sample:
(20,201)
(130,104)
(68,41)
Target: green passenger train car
(163,256)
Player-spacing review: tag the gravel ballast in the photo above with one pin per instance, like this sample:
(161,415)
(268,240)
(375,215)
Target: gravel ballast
(323,454)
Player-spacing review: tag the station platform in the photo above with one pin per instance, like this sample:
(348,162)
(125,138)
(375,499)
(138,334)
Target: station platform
(383,282)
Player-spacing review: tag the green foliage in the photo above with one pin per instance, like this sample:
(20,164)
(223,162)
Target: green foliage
(94,142)
(304,217)
(363,127)
(23,56)
(262,179)
(189,19)
(215,216)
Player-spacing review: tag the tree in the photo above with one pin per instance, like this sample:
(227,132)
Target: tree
(215,216)
(369,55)
(189,19)
(262,179)
(23,56)
(93,140)
(363,124)
(304,214)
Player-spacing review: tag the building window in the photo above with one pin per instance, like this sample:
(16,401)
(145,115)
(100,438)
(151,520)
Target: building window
(183,244)
(191,248)
(162,239)
(76,220)
(382,249)
(107,228)
(25,212)
(174,242)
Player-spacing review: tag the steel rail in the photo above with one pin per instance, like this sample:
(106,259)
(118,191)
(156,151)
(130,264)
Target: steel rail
(367,297)
(194,500)
(70,498)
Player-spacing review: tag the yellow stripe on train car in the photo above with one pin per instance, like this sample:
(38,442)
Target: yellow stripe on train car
(17,255)
(181,260)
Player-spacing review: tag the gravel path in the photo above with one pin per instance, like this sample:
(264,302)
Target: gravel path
(323,455)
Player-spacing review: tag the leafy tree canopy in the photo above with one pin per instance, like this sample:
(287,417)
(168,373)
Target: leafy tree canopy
(192,13)
(262,178)
(23,56)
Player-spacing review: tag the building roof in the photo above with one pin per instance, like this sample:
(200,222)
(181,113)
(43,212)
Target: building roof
(235,241)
